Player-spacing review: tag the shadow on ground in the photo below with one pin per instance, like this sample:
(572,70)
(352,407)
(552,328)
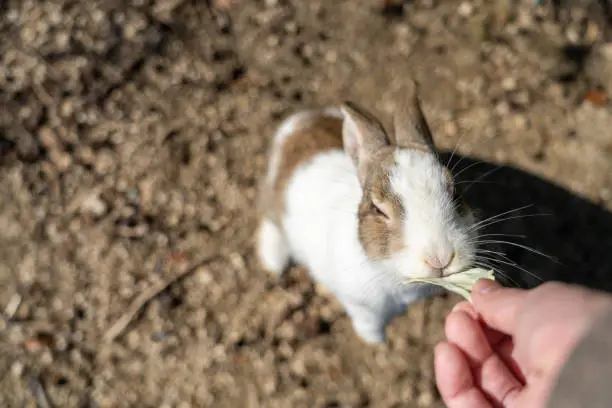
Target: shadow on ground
(574,232)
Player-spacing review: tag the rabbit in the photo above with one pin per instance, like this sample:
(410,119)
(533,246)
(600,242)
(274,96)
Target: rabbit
(363,210)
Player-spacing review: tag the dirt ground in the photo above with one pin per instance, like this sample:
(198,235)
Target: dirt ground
(132,137)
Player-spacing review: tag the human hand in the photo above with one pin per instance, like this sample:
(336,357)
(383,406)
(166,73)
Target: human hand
(508,347)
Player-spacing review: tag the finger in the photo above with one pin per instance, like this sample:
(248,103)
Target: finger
(497,382)
(497,306)
(493,376)
(454,379)
(466,307)
(504,349)
(461,329)
(492,335)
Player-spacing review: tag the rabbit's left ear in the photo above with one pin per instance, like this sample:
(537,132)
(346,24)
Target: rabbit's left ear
(363,135)
(410,126)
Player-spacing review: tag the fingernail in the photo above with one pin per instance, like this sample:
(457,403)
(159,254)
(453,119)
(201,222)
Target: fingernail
(491,286)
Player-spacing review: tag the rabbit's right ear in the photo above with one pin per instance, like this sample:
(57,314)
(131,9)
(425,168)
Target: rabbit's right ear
(363,135)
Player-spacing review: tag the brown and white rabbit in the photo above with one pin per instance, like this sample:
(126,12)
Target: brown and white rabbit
(363,210)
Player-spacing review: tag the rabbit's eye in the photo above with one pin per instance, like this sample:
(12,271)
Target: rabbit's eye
(377,210)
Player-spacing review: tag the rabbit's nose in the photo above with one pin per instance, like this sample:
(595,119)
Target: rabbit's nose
(439,261)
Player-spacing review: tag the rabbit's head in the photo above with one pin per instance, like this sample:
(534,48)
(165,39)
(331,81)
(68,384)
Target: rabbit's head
(412,218)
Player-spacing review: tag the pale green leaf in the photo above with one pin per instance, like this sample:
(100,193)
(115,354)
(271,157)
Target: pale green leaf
(460,283)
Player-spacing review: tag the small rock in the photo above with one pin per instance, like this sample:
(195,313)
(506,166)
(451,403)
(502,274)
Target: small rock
(66,108)
(121,185)
(270,384)
(509,84)
(60,159)
(133,340)
(75,225)
(521,122)
(520,98)
(273,40)
(17,369)
(26,145)
(425,399)
(94,205)
(605,50)
(172,220)
(237,261)
(105,162)
(132,196)
(86,155)
(204,276)
(285,350)
(286,331)
(48,138)
(465,9)
(223,4)
(291,27)
(572,35)
(138,231)
(76,358)
(592,32)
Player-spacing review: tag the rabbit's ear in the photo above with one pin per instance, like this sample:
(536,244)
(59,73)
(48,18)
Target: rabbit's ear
(363,135)
(410,126)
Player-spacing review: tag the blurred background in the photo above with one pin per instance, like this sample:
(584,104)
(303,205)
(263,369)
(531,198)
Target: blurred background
(133,134)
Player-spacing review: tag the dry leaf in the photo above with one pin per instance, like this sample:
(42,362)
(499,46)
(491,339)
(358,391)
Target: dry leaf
(596,97)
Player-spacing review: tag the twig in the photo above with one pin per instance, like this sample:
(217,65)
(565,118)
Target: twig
(39,393)
(12,306)
(145,297)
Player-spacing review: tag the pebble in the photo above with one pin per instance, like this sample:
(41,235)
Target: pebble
(94,205)
(605,50)
(509,84)
(17,369)
(133,340)
(105,162)
(47,138)
(26,146)
(66,108)
(465,9)
(273,40)
(204,276)
(521,122)
(60,159)
(425,399)
(86,155)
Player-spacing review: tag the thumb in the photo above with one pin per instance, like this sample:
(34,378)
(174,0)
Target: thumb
(497,306)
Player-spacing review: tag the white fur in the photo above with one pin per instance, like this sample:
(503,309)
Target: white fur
(334,112)
(320,229)
(432,232)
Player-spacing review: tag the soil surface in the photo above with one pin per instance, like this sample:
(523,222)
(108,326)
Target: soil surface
(133,134)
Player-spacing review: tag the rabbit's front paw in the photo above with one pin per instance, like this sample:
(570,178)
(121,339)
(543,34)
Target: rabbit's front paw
(369,332)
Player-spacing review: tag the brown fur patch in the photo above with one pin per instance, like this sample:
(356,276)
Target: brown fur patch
(321,135)
(381,234)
